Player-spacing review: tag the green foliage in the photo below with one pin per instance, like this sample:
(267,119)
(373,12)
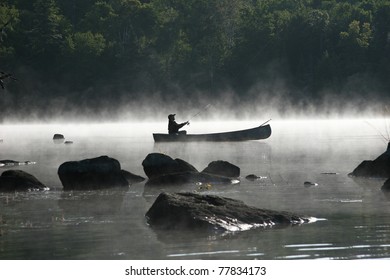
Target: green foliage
(198,43)
(88,44)
(9,18)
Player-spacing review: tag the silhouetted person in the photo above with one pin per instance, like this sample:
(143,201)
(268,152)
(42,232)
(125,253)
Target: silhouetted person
(173,126)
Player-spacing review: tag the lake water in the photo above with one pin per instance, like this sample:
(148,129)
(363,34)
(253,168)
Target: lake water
(354,214)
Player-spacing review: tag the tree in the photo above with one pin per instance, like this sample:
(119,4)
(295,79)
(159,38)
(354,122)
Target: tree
(9,18)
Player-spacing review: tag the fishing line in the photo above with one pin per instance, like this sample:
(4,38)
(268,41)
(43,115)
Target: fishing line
(386,139)
(386,125)
(204,109)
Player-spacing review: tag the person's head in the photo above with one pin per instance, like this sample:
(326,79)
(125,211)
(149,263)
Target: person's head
(171,117)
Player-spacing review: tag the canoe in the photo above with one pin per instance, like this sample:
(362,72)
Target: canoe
(257,133)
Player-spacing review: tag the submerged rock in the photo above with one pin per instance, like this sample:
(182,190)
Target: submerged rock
(10,163)
(380,167)
(252,177)
(95,173)
(222,168)
(18,180)
(386,185)
(309,184)
(195,211)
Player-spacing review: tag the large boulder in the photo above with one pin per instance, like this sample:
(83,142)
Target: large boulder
(95,173)
(194,211)
(222,168)
(18,180)
(380,167)
(156,164)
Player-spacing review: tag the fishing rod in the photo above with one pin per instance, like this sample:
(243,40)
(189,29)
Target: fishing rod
(266,122)
(205,108)
(377,130)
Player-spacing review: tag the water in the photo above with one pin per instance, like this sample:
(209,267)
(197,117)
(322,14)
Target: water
(353,213)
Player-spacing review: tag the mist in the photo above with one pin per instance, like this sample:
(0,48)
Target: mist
(30,100)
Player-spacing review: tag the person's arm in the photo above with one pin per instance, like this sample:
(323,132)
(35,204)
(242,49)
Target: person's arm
(183,124)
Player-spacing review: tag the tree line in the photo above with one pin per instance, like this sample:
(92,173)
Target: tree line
(93,52)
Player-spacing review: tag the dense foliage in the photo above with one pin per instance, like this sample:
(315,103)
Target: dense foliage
(92,52)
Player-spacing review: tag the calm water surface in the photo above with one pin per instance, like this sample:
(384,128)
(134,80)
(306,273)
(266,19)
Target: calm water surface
(354,216)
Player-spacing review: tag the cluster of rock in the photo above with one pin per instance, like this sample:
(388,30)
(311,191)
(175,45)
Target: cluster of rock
(105,172)
(377,168)
(169,211)
(60,138)
(89,174)
(161,169)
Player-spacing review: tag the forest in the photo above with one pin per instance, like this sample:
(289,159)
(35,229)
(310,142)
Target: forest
(95,56)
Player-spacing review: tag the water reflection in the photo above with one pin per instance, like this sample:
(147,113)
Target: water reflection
(92,203)
(111,224)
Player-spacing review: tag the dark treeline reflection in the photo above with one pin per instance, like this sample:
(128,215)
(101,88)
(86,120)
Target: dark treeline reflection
(76,56)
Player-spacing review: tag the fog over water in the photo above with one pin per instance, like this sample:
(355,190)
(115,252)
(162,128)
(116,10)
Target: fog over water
(353,213)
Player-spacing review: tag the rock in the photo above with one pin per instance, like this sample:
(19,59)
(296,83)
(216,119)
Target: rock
(68,142)
(58,137)
(18,180)
(222,168)
(195,211)
(156,164)
(188,177)
(252,177)
(11,163)
(380,167)
(386,185)
(96,173)
(132,178)
(309,184)
(162,170)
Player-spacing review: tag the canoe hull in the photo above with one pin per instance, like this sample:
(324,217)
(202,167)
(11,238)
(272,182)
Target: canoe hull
(257,133)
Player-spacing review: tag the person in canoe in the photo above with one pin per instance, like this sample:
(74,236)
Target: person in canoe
(173,126)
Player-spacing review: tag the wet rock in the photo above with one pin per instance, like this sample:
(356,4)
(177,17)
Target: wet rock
(380,167)
(156,164)
(386,186)
(309,184)
(222,168)
(18,180)
(11,163)
(163,170)
(58,137)
(252,177)
(95,173)
(195,211)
